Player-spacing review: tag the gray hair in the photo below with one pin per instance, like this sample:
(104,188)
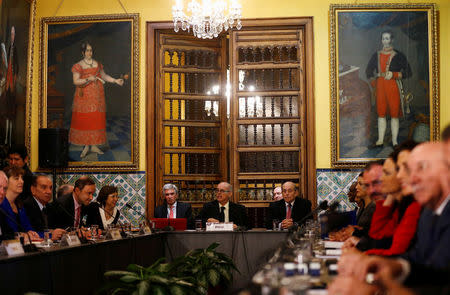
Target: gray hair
(168,186)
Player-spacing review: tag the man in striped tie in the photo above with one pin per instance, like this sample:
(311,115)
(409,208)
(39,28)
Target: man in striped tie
(172,208)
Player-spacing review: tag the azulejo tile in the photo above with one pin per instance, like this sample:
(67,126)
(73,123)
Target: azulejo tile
(131,187)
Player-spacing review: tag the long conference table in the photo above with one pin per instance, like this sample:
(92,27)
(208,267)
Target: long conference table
(80,269)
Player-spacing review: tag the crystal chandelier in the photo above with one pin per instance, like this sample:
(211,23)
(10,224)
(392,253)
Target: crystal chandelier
(207,19)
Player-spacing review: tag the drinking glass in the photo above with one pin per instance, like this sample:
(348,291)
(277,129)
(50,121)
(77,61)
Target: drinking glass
(276,224)
(94,231)
(198,224)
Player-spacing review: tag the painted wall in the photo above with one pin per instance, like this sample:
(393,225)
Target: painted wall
(158,10)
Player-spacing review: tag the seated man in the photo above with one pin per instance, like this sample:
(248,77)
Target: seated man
(290,210)
(277,193)
(35,205)
(172,208)
(223,210)
(68,211)
(63,190)
(18,157)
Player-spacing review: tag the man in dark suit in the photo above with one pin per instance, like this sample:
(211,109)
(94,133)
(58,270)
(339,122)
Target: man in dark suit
(36,205)
(18,157)
(172,208)
(290,210)
(223,210)
(68,211)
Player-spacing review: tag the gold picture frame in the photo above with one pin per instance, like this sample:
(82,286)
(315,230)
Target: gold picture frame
(102,113)
(383,79)
(16,103)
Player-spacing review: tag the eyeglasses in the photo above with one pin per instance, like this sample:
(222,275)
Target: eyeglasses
(221,191)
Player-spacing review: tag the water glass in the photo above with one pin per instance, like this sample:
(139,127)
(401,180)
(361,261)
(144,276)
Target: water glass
(198,225)
(275,224)
(94,232)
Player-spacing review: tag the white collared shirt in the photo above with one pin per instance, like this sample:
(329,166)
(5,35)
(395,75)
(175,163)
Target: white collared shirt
(226,212)
(105,220)
(441,207)
(174,209)
(39,203)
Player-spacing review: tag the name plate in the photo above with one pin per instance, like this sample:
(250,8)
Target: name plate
(113,234)
(224,226)
(70,240)
(13,247)
(336,252)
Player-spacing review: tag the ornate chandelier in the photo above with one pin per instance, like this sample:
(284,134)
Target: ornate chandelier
(207,19)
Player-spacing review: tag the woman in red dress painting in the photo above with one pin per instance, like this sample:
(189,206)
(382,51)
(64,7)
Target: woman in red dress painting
(88,125)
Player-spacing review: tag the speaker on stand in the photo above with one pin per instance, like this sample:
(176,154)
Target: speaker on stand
(53,150)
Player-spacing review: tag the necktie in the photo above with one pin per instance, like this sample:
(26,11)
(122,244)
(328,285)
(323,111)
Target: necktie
(171,211)
(44,217)
(222,214)
(289,211)
(77,217)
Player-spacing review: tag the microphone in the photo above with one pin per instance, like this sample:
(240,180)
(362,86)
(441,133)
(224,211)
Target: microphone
(322,206)
(140,214)
(82,222)
(29,247)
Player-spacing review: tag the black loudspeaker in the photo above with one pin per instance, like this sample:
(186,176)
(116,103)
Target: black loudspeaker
(53,147)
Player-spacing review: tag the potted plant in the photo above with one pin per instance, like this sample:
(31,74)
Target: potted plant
(155,279)
(200,271)
(211,269)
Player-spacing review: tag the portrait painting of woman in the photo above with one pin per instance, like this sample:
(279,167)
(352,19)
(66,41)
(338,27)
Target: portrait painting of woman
(88,125)
(91,88)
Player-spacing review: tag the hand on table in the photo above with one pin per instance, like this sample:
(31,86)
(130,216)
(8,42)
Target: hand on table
(286,223)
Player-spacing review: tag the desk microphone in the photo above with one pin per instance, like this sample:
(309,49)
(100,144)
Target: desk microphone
(27,248)
(140,214)
(122,231)
(82,221)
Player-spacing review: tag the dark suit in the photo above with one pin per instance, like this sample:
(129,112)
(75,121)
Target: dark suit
(236,214)
(432,242)
(38,219)
(183,210)
(277,210)
(61,213)
(93,215)
(7,232)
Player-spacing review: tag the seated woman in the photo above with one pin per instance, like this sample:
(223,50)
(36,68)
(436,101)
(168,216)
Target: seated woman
(103,212)
(395,219)
(15,215)
(363,215)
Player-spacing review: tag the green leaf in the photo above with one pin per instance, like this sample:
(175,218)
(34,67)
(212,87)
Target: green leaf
(113,273)
(129,279)
(213,246)
(143,287)
(164,267)
(135,268)
(226,274)
(158,279)
(176,290)
(158,290)
(213,277)
(203,281)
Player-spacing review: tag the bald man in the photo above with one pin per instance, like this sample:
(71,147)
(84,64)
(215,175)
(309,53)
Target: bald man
(223,210)
(290,210)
